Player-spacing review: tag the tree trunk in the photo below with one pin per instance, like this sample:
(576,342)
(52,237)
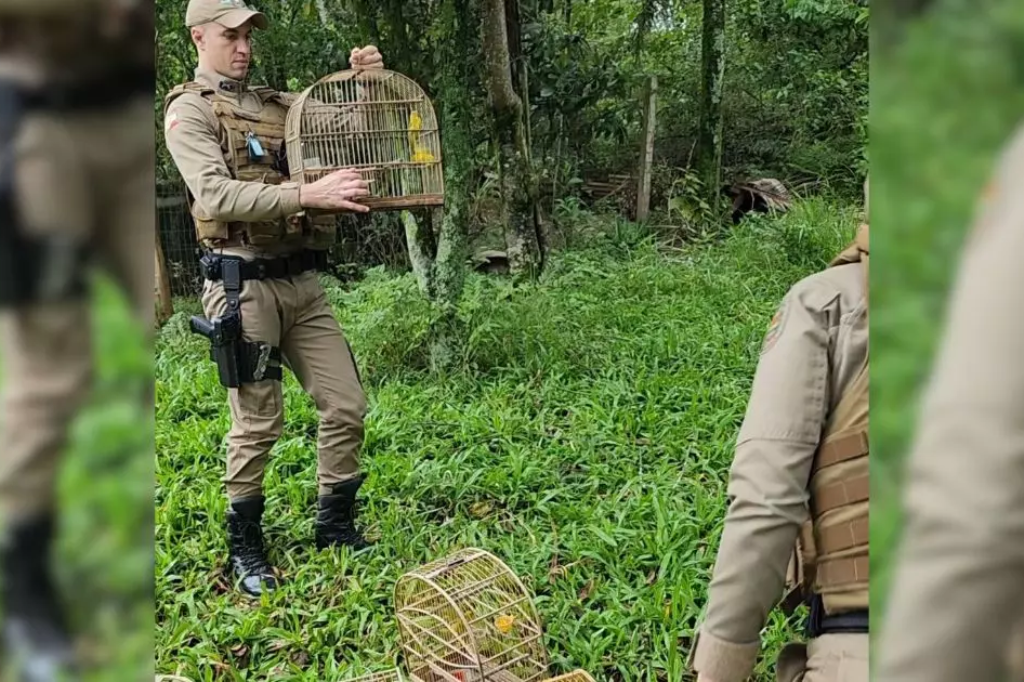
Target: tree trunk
(369,31)
(422,248)
(448,271)
(457,116)
(709,145)
(400,50)
(643,195)
(511,141)
(521,85)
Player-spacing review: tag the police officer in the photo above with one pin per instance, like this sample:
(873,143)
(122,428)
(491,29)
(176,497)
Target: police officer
(263,250)
(77,168)
(957,594)
(800,471)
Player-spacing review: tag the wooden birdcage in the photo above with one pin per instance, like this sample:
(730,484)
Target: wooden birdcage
(574,676)
(377,122)
(468,618)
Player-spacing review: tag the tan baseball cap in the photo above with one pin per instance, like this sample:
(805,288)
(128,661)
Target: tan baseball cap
(229,13)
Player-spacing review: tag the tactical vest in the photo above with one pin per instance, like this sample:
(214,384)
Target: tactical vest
(831,554)
(268,127)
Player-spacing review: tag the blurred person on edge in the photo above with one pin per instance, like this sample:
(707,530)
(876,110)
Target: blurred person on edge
(957,596)
(798,490)
(77,168)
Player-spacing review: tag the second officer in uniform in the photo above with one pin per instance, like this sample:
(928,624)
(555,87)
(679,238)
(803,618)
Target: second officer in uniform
(800,471)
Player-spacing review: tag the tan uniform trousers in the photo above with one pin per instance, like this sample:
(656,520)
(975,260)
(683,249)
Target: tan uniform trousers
(829,658)
(92,175)
(294,315)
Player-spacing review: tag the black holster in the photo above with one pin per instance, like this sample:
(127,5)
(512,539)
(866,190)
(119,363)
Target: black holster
(33,268)
(238,361)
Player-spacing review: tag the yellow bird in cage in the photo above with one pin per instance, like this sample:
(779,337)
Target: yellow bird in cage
(420,153)
(504,623)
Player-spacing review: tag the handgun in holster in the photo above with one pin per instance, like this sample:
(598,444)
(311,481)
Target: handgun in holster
(224,334)
(238,361)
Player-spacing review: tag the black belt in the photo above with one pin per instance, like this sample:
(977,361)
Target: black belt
(295,264)
(99,93)
(851,622)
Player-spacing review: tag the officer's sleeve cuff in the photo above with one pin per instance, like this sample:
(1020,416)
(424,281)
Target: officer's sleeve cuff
(290,198)
(721,661)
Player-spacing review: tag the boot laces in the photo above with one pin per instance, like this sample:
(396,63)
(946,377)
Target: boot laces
(250,553)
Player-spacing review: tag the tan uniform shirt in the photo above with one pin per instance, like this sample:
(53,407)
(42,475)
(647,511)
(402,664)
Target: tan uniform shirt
(194,138)
(813,351)
(958,587)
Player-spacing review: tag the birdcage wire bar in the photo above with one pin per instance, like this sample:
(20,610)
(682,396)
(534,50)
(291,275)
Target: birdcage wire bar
(378,122)
(386,676)
(468,618)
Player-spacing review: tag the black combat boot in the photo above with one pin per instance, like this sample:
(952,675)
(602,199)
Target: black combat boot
(35,635)
(248,558)
(335,518)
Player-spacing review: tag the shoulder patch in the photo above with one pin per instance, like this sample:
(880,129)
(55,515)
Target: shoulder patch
(775,327)
(170,121)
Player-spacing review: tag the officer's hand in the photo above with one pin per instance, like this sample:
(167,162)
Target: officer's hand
(366,58)
(337,191)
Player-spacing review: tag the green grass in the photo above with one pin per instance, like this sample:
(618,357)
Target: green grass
(105,545)
(585,438)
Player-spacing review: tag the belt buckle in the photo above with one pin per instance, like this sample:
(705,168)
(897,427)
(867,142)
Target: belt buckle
(232,276)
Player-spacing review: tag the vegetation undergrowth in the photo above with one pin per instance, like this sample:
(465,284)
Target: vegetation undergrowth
(584,436)
(104,543)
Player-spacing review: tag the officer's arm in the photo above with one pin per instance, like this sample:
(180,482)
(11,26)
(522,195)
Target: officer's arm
(192,136)
(957,591)
(768,485)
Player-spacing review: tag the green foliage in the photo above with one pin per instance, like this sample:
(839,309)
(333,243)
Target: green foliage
(584,435)
(828,10)
(104,547)
(795,82)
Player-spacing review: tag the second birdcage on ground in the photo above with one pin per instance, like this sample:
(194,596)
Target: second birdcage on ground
(377,122)
(468,618)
